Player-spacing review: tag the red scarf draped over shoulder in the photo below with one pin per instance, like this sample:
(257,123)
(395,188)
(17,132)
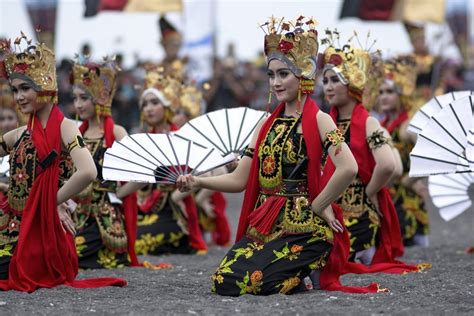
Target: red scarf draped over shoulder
(401,118)
(390,243)
(195,235)
(130,203)
(335,266)
(45,255)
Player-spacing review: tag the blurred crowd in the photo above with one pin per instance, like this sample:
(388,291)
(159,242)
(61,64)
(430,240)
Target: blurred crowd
(237,82)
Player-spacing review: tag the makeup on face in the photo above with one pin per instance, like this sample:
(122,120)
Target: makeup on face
(283,82)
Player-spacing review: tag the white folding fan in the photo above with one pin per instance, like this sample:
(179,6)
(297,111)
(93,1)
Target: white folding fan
(5,166)
(158,158)
(452,193)
(433,106)
(470,148)
(441,146)
(227,130)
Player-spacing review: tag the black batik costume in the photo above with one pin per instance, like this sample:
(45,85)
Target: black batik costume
(162,224)
(101,240)
(299,240)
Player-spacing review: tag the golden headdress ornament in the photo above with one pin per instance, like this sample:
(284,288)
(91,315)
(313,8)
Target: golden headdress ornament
(351,64)
(169,87)
(295,44)
(374,80)
(100,80)
(35,63)
(191,100)
(400,71)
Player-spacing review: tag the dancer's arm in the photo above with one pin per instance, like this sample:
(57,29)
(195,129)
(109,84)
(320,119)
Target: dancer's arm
(384,161)
(85,172)
(346,170)
(230,182)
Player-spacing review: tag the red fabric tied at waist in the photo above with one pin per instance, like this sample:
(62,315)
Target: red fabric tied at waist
(150,201)
(263,217)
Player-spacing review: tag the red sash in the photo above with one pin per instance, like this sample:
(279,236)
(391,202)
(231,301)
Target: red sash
(402,117)
(221,236)
(45,256)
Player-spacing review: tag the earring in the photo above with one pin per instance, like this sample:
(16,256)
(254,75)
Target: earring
(270,92)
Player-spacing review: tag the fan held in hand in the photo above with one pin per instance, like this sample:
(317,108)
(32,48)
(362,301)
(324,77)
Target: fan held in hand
(227,130)
(158,158)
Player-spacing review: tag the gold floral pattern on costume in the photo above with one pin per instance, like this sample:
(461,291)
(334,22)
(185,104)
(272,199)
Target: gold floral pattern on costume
(251,284)
(148,219)
(6,251)
(289,284)
(148,243)
(107,259)
(288,253)
(80,245)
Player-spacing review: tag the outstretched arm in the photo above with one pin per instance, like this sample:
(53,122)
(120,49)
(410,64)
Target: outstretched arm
(230,182)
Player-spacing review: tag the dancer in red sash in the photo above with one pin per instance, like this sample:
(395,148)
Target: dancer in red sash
(106,212)
(167,218)
(287,226)
(395,101)
(37,245)
(369,213)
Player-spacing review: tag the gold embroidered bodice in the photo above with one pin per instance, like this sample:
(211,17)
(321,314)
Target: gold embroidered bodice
(282,171)
(23,170)
(354,200)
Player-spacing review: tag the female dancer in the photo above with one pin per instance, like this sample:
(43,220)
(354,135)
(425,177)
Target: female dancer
(408,194)
(167,218)
(366,200)
(287,225)
(37,233)
(105,224)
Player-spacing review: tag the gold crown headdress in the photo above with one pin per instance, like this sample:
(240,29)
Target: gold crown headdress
(100,80)
(295,46)
(169,86)
(191,100)
(35,62)
(401,72)
(351,64)
(374,80)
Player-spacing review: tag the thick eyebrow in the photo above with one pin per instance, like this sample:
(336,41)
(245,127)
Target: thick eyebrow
(280,69)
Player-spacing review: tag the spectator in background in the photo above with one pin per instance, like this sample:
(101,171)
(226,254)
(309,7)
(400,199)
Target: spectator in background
(226,88)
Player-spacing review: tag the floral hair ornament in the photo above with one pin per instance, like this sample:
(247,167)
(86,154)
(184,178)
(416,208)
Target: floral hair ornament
(350,64)
(295,43)
(33,63)
(99,80)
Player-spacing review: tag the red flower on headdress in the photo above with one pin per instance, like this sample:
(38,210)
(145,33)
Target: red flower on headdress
(87,81)
(285,46)
(21,68)
(335,60)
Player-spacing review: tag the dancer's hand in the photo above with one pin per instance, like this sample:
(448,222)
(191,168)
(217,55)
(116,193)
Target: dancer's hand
(66,220)
(187,183)
(328,216)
